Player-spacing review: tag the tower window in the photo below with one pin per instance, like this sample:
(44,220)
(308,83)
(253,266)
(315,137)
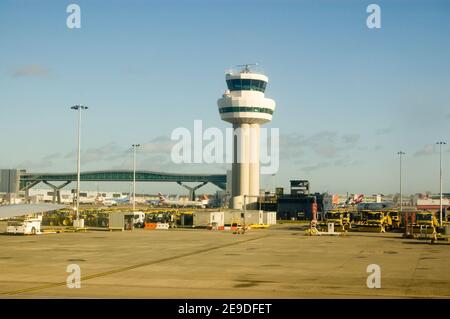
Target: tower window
(263,86)
(256,84)
(232,109)
(246,84)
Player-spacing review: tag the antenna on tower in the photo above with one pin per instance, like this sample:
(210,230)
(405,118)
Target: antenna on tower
(246,67)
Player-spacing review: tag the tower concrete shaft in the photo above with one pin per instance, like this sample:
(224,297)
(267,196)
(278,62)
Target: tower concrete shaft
(245,106)
(254,162)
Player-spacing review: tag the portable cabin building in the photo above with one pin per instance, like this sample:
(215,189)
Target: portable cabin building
(121,221)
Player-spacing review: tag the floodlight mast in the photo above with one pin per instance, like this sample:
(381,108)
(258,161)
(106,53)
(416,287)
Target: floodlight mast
(78,108)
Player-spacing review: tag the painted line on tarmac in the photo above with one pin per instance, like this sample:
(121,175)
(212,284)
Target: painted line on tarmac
(118,270)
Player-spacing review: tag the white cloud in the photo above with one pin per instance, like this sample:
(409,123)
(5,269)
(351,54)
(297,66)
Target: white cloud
(322,144)
(160,144)
(37,70)
(425,150)
(314,167)
(151,155)
(383,131)
(30,165)
(351,138)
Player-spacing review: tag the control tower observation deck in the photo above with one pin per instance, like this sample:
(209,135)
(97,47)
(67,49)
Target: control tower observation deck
(245,106)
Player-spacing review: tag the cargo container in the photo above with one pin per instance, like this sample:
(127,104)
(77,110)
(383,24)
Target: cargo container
(269,218)
(208,219)
(253,217)
(249,217)
(121,221)
(186,220)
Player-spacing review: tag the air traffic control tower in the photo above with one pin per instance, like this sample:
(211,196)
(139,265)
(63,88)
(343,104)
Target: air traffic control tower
(245,106)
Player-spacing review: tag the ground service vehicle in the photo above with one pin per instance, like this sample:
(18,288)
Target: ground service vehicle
(164,217)
(426,222)
(26,226)
(340,219)
(395,217)
(58,218)
(376,221)
(139,219)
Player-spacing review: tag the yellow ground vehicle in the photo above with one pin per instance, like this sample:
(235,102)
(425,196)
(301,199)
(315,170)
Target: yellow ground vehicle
(395,217)
(376,221)
(174,218)
(426,223)
(340,219)
(96,219)
(58,218)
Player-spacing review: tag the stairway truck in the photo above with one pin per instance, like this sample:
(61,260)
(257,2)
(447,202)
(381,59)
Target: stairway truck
(27,226)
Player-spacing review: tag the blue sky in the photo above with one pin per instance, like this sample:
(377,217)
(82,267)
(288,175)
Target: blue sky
(348,97)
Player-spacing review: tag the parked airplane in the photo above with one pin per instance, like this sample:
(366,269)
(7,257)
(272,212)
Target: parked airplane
(125,200)
(111,201)
(375,206)
(181,203)
(354,199)
(153,202)
(205,200)
(88,200)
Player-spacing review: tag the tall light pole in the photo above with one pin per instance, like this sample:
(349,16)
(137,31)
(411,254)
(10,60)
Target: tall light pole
(400,154)
(440,143)
(78,108)
(135,146)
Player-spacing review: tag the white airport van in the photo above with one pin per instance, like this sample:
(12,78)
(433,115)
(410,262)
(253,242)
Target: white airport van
(27,226)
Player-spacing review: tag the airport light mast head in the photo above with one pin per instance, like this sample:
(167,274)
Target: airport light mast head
(79,107)
(245,106)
